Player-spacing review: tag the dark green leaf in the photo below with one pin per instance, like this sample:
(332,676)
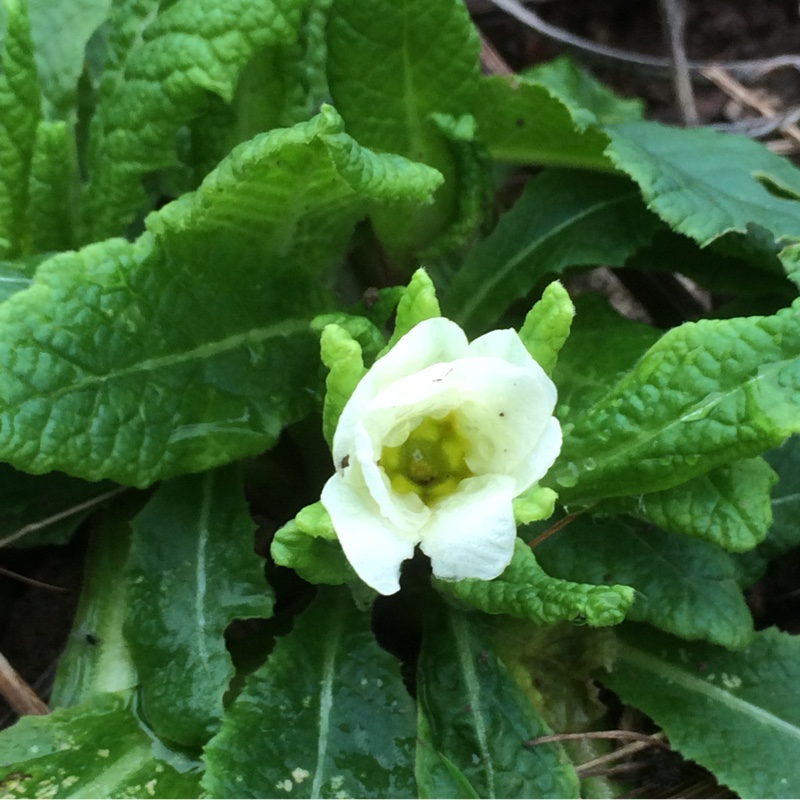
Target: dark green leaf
(563,219)
(327,715)
(192,571)
(98,749)
(684,586)
(475,721)
(737,714)
(705,184)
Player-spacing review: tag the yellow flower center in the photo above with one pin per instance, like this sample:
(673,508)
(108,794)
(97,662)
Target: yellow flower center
(431,462)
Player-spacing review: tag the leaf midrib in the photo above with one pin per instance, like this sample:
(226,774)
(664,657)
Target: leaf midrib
(668,672)
(489,282)
(200,352)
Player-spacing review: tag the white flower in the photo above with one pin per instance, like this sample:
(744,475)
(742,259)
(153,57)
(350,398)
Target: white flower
(432,447)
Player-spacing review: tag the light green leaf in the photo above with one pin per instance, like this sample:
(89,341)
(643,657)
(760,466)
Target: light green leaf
(308,545)
(20,112)
(728,506)
(341,354)
(390,67)
(475,721)
(588,101)
(180,364)
(705,394)
(737,714)
(524,122)
(418,303)
(534,504)
(98,749)
(524,590)
(61,30)
(52,189)
(790,257)
(562,219)
(704,183)
(189,49)
(683,586)
(192,571)
(14,277)
(327,713)
(547,326)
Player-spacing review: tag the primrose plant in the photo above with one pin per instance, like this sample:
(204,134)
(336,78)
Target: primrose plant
(374,495)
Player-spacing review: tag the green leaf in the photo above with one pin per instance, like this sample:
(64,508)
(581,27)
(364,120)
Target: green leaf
(13,278)
(524,590)
(189,49)
(737,714)
(729,506)
(418,303)
(790,258)
(475,721)
(391,66)
(341,354)
(97,660)
(534,504)
(52,190)
(181,365)
(327,713)
(547,326)
(784,535)
(20,112)
(705,394)
(61,29)
(704,183)
(523,121)
(98,749)
(192,571)
(562,219)
(308,545)
(39,510)
(588,100)
(683,586)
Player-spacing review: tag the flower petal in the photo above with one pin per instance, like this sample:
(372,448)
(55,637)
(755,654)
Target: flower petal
(504,344)
(373,546)
(431,342)
(472,532)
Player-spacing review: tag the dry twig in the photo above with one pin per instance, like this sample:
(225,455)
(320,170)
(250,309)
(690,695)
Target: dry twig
(16,691)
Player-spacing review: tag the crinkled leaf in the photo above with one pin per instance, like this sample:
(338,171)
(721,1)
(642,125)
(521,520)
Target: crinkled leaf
(737,714)
(562,219)
(418,303)
(52,190)
(475,721)
(327,713)
(534,504)
(179,364)
(683,586)
(20,112)
(705,394)
(790,258)
(192,571)
(341,354)
(61,30)
(729,506)
(13,278)
(390,67)
(704,183)
(189,49)
(308,545)
(524,590)
(547,326)
(98,749)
